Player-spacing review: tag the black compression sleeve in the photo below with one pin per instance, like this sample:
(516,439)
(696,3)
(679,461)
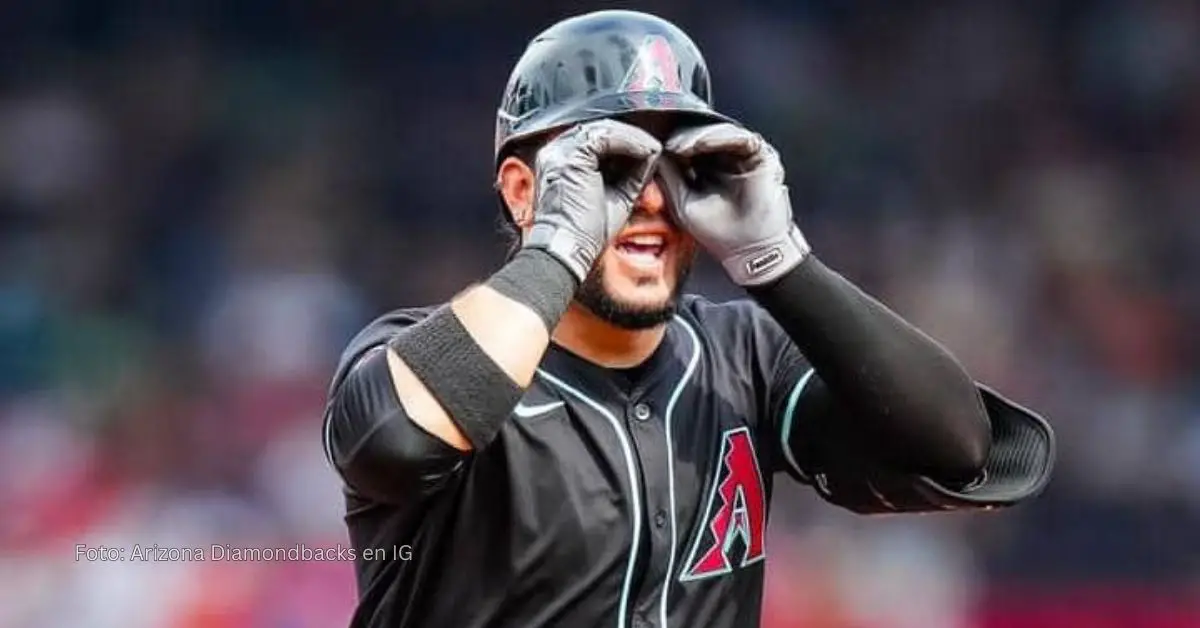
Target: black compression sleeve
(912,404)
(538,280)
(473,390)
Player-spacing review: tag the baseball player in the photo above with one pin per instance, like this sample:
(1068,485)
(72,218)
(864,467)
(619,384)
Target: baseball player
(575,442)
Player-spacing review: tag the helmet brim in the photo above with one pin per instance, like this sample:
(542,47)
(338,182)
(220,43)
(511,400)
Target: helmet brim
(612,105)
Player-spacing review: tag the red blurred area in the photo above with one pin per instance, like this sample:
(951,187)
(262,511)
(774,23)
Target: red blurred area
(1130,606)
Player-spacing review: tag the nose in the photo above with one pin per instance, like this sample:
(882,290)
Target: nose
(651,200)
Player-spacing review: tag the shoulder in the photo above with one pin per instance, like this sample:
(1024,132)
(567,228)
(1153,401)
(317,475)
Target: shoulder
(737,318)
(740,329)
(375,334)
(722,312)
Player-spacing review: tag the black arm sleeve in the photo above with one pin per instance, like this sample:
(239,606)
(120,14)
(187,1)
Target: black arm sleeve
(822,441)
(476,393)
(908,403)
(369,438)
(373,445)
(846,473)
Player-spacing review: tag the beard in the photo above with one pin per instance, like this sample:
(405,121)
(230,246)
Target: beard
(597,299)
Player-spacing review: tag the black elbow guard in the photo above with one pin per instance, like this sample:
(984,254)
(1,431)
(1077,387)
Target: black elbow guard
(373,444)
(1018,465)
(1017,469)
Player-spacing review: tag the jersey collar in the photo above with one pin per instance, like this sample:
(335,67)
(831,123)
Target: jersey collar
(669,359)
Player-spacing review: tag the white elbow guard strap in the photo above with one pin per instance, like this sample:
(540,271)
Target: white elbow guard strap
(473,390)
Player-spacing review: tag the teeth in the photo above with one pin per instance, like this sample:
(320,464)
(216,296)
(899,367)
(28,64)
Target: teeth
(646,239)
(641,257)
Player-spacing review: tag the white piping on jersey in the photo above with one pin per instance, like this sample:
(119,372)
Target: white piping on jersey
(634,484)
(883,500)
(785,432)
(668,415)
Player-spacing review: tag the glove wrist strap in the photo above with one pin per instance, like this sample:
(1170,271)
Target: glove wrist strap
(569,248)
(766,261)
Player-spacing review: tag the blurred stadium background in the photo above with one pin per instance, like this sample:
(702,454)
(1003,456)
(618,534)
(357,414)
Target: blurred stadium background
(202,199)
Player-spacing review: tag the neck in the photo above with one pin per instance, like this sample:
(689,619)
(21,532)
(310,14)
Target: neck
(595,340)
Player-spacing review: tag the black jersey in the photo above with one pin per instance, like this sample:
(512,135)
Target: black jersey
(610,498)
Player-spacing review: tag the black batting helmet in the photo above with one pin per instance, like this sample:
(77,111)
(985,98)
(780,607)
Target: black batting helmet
(599,65)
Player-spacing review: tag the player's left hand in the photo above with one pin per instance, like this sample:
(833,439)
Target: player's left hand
(727,187)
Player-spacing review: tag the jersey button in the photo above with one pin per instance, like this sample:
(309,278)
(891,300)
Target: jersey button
(641,412)
(660,518)
(640,621)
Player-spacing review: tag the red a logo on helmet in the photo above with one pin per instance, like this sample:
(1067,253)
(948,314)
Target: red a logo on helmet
(655,69)
(736,511)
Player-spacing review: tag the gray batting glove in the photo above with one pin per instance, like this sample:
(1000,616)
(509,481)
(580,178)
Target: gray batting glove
(588,179)
(727,188)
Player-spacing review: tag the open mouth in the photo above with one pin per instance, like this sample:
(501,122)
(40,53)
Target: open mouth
(644,249)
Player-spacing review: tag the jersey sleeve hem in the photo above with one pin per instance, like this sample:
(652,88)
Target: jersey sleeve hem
(787,423)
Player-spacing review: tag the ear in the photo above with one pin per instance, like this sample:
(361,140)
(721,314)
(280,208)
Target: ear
(515,181)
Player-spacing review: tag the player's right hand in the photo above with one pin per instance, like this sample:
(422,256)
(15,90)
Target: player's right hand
(588,179)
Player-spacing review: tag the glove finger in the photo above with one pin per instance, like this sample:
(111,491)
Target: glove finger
(688,206)
(639,155)
(721,138)
(675,186)
(638,174)
(612,138)
(626,189)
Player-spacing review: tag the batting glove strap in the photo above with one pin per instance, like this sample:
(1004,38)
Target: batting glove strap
(574,250)
(766,261)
